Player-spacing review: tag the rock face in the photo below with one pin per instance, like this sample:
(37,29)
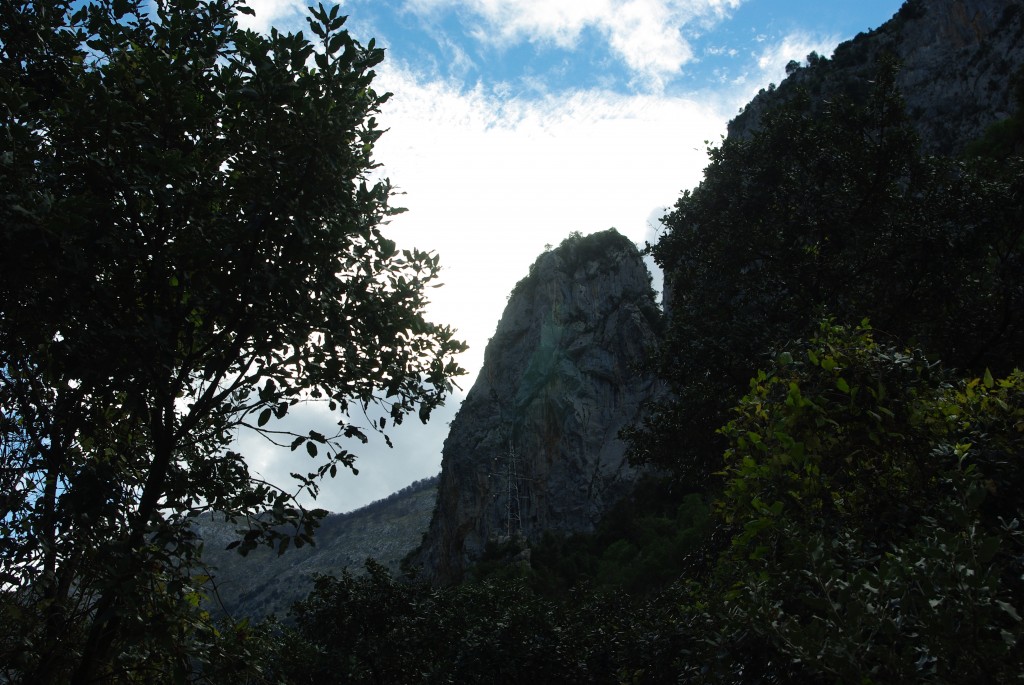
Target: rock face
(957,58)
(535,445)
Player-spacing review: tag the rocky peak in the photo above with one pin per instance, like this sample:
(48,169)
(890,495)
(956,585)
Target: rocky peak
(958,60)
(535,445)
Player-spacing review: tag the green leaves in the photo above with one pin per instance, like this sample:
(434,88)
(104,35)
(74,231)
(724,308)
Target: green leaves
(854,516)
(858,534)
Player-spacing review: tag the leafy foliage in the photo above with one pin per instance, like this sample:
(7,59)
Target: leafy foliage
(822,212)
(191,242)
(373,629)
(1003,141)
(641,546)
(872,534)
(204,251)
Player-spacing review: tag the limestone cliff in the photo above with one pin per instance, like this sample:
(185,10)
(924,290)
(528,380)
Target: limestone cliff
(957,58)
(535,445)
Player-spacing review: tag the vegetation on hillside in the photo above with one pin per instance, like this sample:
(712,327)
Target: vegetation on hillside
(830,212)
(867,529)
(843,446)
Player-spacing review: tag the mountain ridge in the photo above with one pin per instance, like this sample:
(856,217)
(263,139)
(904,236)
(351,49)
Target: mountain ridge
(956,60)
(264,582)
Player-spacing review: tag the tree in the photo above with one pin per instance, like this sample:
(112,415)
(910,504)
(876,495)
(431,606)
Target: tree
(829,208)
(875,529)
(375,629)
(191,242)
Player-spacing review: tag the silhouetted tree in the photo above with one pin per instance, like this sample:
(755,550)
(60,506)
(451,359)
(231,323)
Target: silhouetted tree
(190,241)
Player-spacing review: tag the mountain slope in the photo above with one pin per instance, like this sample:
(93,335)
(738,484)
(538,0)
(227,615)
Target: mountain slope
(958,60)
(264,583)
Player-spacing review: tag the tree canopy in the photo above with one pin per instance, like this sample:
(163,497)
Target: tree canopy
(191,240)
(868,530)
(830,209)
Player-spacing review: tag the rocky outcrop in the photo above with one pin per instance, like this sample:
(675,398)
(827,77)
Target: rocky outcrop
(535,445)
(958,60)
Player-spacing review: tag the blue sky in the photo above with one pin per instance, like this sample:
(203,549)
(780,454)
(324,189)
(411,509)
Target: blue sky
(516,122)
(682,46)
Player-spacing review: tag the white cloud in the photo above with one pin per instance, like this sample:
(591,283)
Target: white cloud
(272,13)
(718,51)
(645,34)
(490,175)
(649,41)
(459,62)
(773,59)
(489,182)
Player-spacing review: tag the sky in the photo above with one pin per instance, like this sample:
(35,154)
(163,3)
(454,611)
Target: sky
(516,122)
